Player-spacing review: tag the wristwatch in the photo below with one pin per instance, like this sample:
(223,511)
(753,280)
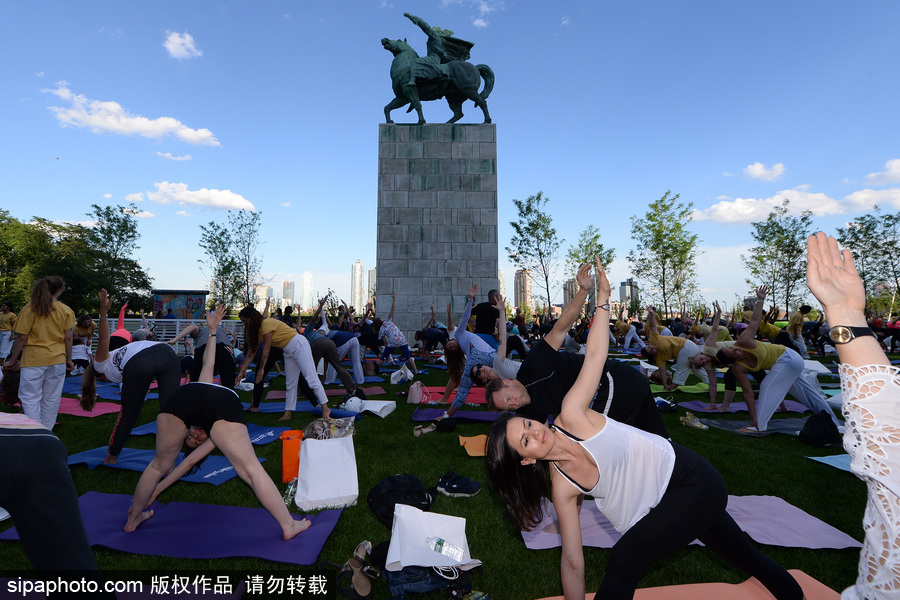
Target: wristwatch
(841,334)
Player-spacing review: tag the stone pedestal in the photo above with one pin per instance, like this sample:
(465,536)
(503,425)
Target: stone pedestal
(437,219)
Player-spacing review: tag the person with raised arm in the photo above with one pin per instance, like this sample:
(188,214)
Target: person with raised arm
(661,348)
(658,494)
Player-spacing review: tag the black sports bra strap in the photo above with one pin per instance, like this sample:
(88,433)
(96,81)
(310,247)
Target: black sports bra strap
(566,433)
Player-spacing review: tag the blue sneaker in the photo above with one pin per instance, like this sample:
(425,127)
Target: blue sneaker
(459,487)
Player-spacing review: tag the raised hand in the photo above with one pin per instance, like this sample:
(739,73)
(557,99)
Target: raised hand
(832,277)
(604,289)
(473,291)
(761,292)
(105,302)
(213,319)
(583,277)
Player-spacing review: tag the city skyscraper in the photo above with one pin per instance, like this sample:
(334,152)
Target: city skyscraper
(306,291)
(370,289)
(357,290)
(287,291)
(522,292)
(569,290)
(628,291)
(501,283)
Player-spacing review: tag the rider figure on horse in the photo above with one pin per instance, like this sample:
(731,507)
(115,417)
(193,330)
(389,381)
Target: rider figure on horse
(442,48)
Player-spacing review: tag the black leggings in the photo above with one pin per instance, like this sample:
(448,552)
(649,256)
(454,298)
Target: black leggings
(514,342)
(731,381)
(39,494)
(693,507)
(154,362)
(224,365)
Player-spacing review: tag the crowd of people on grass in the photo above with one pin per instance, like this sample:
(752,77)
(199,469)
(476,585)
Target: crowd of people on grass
(575,422)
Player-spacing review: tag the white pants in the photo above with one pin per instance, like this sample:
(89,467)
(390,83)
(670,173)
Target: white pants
(683,366)
(633,335)
(801,345)
(40,389)
(786,375)
(6,343)
(352,348)
(298,361)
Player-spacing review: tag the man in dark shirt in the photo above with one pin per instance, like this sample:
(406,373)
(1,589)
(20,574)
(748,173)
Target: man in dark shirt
(486,316)
(546,376)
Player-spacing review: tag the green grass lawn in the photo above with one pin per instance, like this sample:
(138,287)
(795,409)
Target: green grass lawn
(774,465)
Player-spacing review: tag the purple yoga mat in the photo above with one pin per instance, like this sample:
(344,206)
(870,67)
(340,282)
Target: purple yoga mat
(767,519)
(430,414)
(736,407)
(188,530)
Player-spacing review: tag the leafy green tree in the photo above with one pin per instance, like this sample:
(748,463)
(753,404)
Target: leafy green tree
(585,249)
(232,264)
(873,240)
(113,239)
(534,245)
(778,260)
(666,252)
(244,228)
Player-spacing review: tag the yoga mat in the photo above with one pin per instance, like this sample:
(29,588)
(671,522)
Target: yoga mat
(791,426)
(304,407)
(752,589)
(259,434)
(431,414)
(475,395)
(767,519)
(199,531)
(735,407)
(370,391)
(698,388)
(112,393)
(71,406)
(474,445)
(215,469)
(838,461)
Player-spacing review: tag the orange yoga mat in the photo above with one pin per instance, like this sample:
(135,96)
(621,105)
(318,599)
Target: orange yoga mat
(748,590)
(475,445)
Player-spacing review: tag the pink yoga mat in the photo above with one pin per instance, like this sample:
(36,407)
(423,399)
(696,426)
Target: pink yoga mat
(475,395)
(71,406)
(767,519)
(752,589)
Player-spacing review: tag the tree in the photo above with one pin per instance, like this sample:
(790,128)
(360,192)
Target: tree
(585,249)
(113,239)
(232,264)
(666,251)
(244,228)
(221,265)
(778,259)
(873,240)
(534,245)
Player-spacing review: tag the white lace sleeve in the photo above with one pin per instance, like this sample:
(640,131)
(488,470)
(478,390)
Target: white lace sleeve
(871,408)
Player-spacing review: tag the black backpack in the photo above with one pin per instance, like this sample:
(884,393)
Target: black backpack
(403,489)
(820,430)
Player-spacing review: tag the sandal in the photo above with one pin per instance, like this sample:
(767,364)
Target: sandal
(355,579)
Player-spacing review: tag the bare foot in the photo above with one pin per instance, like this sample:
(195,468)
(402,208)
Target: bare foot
(326,412)
(782,407)
(253,409)
(295,528)
(712,407)
(286,416)
(133,522)
(750,429)
(110,460)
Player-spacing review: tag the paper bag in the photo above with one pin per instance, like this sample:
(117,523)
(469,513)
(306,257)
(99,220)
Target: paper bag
(327,476)
(412,527)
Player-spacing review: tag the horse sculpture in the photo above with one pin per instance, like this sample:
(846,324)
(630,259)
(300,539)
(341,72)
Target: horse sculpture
(460,81)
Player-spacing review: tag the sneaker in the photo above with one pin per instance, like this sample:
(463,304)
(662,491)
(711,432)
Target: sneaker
(459,487)
(690,420)
(359,393)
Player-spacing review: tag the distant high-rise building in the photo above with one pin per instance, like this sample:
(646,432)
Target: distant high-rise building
(306,291)
(370,289)
(501,283)
(522,292)
(261,293)
(287,291)
(569,290)
(628,291)
(357,289)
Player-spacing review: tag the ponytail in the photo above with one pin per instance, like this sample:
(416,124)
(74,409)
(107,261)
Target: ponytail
(42,293)
(88,388)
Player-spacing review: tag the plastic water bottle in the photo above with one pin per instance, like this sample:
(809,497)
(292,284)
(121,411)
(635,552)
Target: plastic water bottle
(446,548)
(289,493)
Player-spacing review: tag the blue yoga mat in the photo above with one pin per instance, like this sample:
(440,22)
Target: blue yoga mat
(277,407)
(215,469)
(430,414)
(259,434)
(189,530)
(838,461)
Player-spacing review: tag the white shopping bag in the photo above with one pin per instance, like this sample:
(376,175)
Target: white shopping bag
(327,477)
(410,531)
(401,374)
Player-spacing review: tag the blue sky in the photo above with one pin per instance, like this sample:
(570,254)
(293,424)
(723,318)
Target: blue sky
(191,108)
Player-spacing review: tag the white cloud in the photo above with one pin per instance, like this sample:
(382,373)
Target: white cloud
(107,196)
(891,173)
(866,199)
(184,213)
(286,17)
(285,204)
(170,193)
(181,45)
(759,171)
(749,210)
(39,74)
(480,23)
(169,156)
(723,197)
(142,214)
(138,197)
(566,21)
(110,117)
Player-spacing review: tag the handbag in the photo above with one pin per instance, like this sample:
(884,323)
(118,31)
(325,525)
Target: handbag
(327,477)
(417,394)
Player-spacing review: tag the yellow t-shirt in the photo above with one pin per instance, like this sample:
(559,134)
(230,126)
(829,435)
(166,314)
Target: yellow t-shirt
(282,333)
(46,335)
(84,332)
(668,347)
(7,320)
(710,351)
(767,330)
(747,315)
(795,323)
(622,328)
(766,355)
(721,336)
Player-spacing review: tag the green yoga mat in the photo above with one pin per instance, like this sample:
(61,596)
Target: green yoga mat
(699,388)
